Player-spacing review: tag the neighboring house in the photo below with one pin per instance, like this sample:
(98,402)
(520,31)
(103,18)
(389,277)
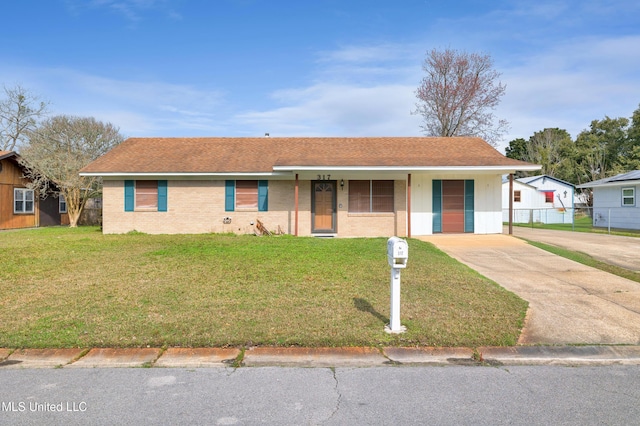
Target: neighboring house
(21,207)
(615,202)
(541,199)
(304,186)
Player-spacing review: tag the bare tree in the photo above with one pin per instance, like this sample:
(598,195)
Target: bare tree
(19,114)
(58,149)
(458,94)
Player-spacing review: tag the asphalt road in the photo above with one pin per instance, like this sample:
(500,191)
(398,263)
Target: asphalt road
(298,396)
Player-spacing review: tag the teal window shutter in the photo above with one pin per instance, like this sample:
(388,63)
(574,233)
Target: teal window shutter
(263,195)
(162,195)
(468,205)
(129,195)
(229,195)
(437,205)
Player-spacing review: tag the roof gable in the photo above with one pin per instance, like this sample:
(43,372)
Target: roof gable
(531,179)
(262,155)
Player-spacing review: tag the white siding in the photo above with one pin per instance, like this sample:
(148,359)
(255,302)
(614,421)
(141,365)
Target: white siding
(560,199)
(421,205)
(533,206)
(487,202)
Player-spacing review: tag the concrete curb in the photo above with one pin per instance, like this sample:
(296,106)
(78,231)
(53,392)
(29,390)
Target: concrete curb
(197,357)
(314,357)
(40,358)
(318,357)
(562,355)
(106,357)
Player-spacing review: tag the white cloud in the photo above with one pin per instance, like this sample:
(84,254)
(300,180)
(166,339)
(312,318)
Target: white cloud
(137,107)
(572,84)
(380,53)
(370,65)
(132,10)
(332,110)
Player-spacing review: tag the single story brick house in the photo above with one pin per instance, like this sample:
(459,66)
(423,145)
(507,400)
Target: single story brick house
(307,186)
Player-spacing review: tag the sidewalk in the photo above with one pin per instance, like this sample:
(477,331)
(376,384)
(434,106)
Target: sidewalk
(317,357)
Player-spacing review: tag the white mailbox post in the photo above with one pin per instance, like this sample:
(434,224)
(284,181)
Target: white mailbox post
(397,255)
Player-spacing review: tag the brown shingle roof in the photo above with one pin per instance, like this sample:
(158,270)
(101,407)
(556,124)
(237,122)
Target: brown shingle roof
(253,155)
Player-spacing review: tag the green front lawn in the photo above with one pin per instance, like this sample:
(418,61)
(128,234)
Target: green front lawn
(62,287)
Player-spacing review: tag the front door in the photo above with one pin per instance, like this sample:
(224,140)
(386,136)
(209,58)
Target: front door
(323,206)
(452,206)
(50,211)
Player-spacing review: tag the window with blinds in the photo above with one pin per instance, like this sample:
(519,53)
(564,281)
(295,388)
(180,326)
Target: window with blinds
(371,196)
(146,194)
(246,194)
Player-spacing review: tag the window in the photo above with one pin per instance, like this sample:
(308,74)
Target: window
(62,204)
(371,196)
(246,194)
(147,195)
(23,200)
(516,196)
(628,197)
(548,197)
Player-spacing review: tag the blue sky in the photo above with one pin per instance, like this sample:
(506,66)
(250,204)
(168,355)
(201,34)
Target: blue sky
(315,68)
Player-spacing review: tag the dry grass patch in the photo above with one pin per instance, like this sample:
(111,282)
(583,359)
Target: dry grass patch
(64,287)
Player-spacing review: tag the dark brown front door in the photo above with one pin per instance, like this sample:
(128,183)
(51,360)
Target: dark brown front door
(323,207)
(50,212)
(452,206)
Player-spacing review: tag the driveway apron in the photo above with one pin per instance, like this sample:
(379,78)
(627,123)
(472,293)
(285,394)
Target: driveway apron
(569,303)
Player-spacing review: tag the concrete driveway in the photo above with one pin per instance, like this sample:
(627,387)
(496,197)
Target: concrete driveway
(569,303)
(612,249)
